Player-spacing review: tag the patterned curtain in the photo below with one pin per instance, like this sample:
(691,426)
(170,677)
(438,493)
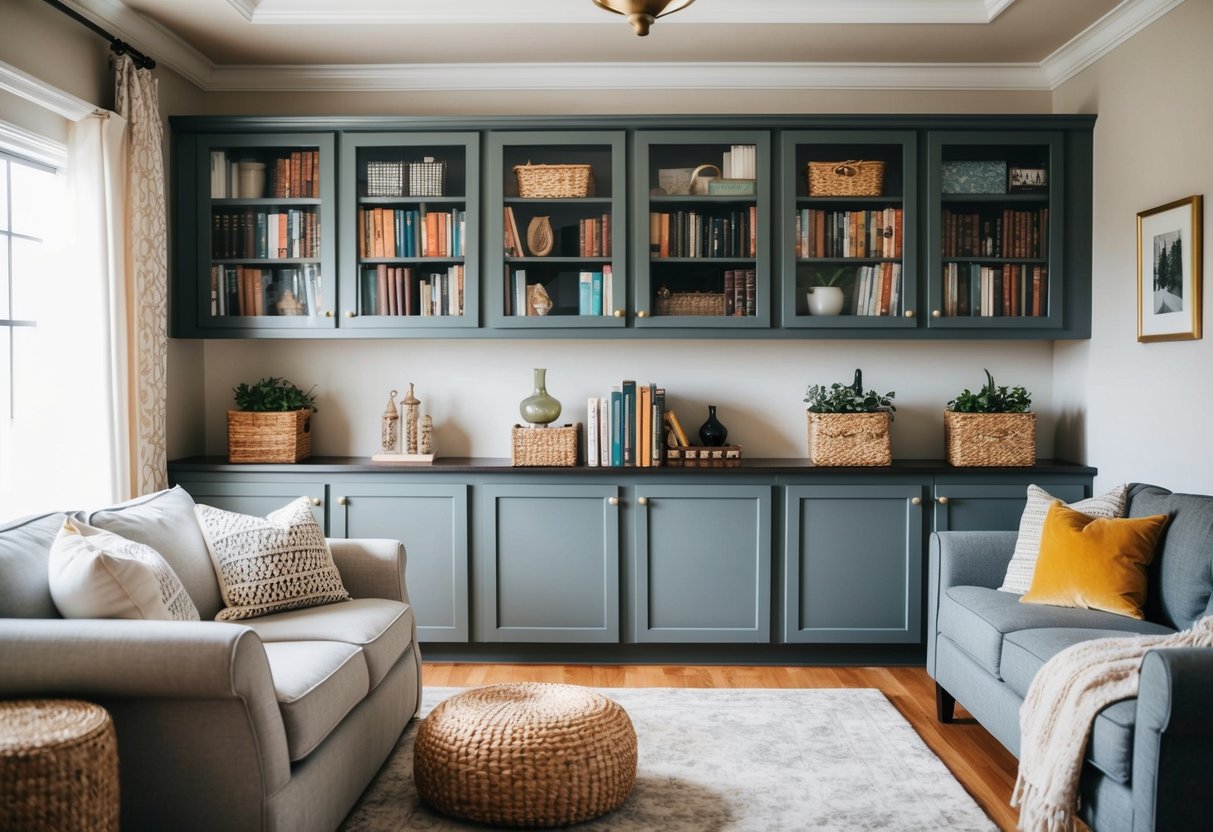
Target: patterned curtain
(137,100)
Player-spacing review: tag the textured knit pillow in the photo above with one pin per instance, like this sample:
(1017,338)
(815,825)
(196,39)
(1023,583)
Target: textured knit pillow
(1094,563)
(1027,545)
(97,574)
(269,564)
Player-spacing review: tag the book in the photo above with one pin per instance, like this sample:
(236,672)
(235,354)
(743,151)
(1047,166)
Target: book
(658,422)
(644,425)
(608,291)
(515,238)
(604,430)
(628,418)
(596,293)
(520,293)
(616,426)
(593,406)
(585,289)
(676,427)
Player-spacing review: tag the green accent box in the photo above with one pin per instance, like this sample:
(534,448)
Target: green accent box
(974,178)
(731,187)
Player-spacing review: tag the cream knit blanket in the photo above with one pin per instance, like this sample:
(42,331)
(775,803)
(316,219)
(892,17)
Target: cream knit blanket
(1056,717)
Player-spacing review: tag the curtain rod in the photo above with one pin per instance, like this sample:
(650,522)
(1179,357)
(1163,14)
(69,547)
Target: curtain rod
(119,47)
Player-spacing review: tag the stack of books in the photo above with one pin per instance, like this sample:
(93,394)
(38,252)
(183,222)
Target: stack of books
(625,427)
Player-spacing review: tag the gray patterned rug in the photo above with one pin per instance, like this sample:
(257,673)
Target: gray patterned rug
(719,760)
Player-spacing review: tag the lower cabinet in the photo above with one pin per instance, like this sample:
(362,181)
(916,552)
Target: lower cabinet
(961,504)
(259,497)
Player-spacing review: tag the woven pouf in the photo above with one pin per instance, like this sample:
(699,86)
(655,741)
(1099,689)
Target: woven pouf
(58,767)
(525,754)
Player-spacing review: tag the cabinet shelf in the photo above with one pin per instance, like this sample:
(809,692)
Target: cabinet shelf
(1007,260)
(411,200)
(845,260)
(264,261)
(856,200)
(372,261)
(265,200)
(575,200)
(1034,198)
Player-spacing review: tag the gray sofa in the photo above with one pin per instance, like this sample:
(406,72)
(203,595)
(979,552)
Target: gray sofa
(272,723)
(1148,759)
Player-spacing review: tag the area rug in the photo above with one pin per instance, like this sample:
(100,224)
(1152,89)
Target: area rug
(718,760)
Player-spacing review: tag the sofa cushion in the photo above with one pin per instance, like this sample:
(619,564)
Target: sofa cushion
(1025,652)
(25,546)
(977,618)
(98,574)
(317,684)
(1181,580)
(382,628)
(165,521)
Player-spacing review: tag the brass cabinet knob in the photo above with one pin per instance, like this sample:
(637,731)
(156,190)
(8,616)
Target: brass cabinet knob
(916,501)
(644,501)
(640,313)
(315,501)
(943,501)
(350,313)
(935,313)
(343,501)
(328,313)
(614,501)
(909,313)
(618,313)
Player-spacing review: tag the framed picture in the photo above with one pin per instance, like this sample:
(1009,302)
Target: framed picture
(1027,180)
(1168,271)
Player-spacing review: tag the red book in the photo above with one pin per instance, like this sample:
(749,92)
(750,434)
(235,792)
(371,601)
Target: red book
(408,291)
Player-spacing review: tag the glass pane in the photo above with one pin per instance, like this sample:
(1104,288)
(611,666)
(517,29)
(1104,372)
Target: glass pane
(4,163)
(35,199)
(29,280)
(4,305)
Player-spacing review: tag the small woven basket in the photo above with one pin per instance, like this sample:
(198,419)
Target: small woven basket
(690,303)
(845,439)
(554,181)
(990,439)
(269,437)
(545,447)
(58,766)
(851,178)
(385,178)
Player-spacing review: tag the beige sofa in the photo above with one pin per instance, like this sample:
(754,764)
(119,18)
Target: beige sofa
(272,723)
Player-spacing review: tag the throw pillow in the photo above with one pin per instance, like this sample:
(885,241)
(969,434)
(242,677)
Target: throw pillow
(272,563)
(98,574)
(1027,545)
(1096,563)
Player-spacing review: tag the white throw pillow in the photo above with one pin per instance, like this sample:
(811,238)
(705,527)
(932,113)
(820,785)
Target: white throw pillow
(1027,545)
(98,574)
(270,564)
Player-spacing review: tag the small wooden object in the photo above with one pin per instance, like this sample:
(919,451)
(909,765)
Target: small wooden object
(269,437)
(418,436)
(990,439)
(539,239)
(545,446)
(704,454)
(845,439)
(389,431)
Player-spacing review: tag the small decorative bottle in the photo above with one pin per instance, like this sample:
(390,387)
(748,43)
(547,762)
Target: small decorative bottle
(389,435)
(712,433)
(539,408)
(411,403)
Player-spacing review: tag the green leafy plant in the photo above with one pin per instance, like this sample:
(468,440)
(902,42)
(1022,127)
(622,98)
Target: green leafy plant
(832,279)
(271,395)
(848,398)
(992,399)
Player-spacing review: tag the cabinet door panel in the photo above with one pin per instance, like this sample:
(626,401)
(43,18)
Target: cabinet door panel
(964,507)
(258,498)
(853,564)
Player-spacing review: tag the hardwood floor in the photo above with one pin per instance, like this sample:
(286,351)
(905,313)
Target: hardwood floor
(979,762)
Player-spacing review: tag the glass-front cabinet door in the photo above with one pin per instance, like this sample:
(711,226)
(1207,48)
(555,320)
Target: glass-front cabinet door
(557,232)
(410,209)
(994,230)
(847,223)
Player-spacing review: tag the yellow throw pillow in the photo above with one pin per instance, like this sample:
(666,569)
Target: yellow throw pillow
(1095,563)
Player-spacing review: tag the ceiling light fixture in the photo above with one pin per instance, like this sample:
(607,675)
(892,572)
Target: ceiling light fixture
(642,13)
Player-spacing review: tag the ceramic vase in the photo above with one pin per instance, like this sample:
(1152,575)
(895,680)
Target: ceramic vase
(539,238)
(824,300)
(712,433)
(539,408)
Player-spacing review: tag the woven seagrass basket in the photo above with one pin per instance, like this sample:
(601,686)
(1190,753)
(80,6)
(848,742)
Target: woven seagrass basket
(545,446)
(990,439)
(850,178)
(554,181)
(845,439)
(690,303)
(269,437)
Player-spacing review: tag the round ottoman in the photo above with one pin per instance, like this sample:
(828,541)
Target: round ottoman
(58,767)
(527,754)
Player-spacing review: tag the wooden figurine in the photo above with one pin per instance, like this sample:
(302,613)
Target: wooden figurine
(389,437)
(411,405)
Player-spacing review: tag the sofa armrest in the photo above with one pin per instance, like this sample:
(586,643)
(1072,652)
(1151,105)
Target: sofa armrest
(963,559)
(371,567)
(1173,744)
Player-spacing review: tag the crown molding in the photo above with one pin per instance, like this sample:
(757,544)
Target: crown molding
(1101,37)
(23,143)
(51,98)
(148,37)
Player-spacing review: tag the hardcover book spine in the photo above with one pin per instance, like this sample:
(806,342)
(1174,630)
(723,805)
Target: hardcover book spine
(593,406)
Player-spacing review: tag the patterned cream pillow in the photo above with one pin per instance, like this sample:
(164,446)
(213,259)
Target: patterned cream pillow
(279,562)
(97,574)
(1031,524)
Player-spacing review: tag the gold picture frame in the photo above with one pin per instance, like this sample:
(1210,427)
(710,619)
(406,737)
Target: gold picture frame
(1169,271)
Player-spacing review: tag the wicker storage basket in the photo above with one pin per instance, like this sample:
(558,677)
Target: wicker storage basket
(990,439)
(851,178)
(269,437)
(385,178)
(554,181)
(545,447)
(690,303)
(842,439)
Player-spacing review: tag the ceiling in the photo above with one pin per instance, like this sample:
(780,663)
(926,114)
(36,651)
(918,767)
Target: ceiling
(528,44)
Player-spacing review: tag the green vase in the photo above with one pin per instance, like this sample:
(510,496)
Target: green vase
(539,408)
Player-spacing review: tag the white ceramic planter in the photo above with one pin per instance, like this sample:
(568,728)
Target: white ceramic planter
(825,300)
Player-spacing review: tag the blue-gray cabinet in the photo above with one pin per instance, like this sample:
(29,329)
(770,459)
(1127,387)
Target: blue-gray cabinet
(259,496)
(963,505)
(701,563)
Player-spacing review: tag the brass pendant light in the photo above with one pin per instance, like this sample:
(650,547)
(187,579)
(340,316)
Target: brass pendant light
(642,13)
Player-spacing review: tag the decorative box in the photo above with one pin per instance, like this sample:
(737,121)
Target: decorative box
(731,187)
(385,178)
(704,454)
(544,446)
(427,177)
(974,178)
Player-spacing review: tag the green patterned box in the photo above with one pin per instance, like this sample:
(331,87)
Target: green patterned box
(974,178)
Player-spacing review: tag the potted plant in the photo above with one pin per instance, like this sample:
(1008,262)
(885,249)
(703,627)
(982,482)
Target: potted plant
(991,427)
(826,298)
(272,422)
(848,426)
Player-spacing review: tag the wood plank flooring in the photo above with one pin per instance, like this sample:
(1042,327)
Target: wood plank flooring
(979,762)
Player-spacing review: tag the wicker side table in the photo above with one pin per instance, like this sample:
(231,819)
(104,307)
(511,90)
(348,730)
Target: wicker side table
(528,754)
(58,767)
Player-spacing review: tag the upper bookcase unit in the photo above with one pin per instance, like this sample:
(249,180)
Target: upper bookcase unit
(410,208)
(557,232)
(704,197)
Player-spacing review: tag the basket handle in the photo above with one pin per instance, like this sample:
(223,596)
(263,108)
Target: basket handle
(848,168)
(695,173)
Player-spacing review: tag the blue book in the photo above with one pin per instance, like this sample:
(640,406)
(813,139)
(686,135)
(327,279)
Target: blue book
(398,222)
(616,427)
(596,293)
(410,244)
(629,422)
(583,293)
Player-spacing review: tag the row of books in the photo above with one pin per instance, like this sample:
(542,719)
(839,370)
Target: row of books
(877,290)
(740,162)
(248,290)
(625,427)
(739,292)
(407,232)
(694,234)
(258,233)
(874,233)
(1006,233)
(594,236)
(287,176)
(985,291)
(399,290)
(595,292)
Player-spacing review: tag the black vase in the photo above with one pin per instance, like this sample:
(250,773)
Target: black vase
(712,433)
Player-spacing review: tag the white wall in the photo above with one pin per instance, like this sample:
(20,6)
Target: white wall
(1142,412)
